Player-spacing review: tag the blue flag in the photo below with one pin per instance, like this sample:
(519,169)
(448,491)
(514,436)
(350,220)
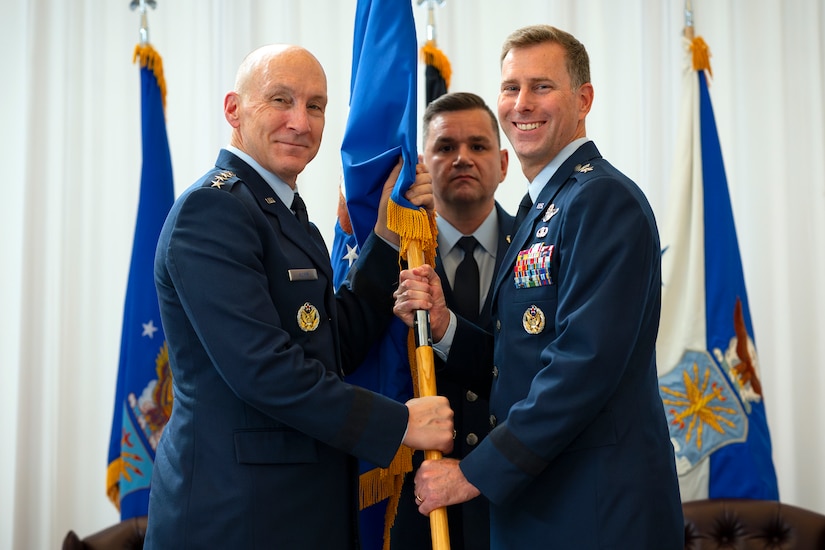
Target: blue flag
(143,397)
(381,127)
(709,372)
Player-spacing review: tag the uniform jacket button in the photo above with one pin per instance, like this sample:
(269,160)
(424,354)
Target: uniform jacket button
(495,371)
(493,421)
(471,396)
(471,439)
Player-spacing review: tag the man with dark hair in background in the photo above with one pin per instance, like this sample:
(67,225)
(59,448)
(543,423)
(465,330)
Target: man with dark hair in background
(462,152)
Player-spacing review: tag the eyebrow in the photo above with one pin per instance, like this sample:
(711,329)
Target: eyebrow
(531,80)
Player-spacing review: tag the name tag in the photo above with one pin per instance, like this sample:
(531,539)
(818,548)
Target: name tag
(303,275)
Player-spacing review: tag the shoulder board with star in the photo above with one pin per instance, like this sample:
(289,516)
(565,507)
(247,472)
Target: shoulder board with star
(223,179)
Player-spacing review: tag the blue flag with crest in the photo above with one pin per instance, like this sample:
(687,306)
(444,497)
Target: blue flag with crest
(143,396)
(709,371)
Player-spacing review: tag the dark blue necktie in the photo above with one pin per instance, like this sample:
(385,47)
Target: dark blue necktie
(523,208)
(466,281)
(300,209)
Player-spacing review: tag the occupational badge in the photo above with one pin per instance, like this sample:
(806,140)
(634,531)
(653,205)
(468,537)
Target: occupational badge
(533,320)
(308,317)
(552,210)
(541,232)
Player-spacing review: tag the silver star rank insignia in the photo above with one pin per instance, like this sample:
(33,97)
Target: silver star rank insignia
(221,178)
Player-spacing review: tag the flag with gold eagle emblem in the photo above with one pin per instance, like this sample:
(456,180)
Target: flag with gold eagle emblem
(709,372)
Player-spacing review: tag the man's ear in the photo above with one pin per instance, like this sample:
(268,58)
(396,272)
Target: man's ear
(585,98)
(505,162)
(231,106)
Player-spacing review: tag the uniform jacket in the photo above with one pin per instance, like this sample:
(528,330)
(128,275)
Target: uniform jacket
(580,455)
(469,522)
(258,452)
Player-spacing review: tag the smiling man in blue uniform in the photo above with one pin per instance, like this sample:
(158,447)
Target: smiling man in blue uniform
(579,455)
(260,448)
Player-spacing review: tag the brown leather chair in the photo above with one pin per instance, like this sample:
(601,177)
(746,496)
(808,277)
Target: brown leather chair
(751,525)
(126,535)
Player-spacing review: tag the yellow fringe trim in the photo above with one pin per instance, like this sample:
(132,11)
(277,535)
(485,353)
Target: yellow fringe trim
(392,507)
(701,55)
(378,484)
(435,57)
(151,59)
(413,225)
(113,481)
(381,484)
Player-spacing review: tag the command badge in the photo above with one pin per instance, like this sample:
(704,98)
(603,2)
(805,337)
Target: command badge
(308,318)
(533,320)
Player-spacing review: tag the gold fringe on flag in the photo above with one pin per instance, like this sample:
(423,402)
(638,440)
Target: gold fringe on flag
(150,59)
(381,484)
(701,55)
(113,475)
(413,225)
(435,57)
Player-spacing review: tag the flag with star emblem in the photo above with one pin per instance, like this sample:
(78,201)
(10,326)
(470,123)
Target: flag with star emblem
(143,396)
(709,371)
(381,127)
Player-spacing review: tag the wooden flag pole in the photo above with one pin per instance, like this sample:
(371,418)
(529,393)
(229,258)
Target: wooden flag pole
(425,366)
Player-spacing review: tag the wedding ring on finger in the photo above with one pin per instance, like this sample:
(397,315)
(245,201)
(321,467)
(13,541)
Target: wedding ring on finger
(419,500)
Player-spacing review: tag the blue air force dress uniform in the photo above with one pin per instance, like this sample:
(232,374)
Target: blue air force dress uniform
(258,452)
(580,454)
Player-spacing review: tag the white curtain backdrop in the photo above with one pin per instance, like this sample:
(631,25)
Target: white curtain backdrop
(71,158)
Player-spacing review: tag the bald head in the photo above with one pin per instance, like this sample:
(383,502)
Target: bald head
(258,63)
(277,108)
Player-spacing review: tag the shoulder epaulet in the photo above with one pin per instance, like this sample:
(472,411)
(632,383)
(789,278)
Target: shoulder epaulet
(223,179)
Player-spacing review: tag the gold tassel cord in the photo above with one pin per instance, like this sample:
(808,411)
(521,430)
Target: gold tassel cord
(435,57)
(149,58)
(701,55)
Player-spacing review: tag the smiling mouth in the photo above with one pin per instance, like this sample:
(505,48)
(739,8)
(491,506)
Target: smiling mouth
(527,125)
